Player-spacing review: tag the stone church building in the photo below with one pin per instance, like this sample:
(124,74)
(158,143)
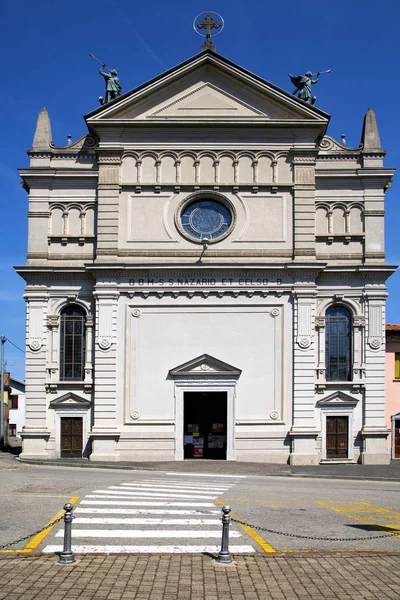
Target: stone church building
(205,279)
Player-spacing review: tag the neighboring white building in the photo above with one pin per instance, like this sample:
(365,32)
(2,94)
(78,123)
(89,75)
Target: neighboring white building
(16,410)
(206,278)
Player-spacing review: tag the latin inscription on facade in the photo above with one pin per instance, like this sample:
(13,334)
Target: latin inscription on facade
(203,281)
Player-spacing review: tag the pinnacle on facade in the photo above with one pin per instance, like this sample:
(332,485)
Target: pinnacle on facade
(370,135)
(42,137)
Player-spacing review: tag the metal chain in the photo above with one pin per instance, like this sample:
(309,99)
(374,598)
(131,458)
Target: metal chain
(27,537)
(310,537)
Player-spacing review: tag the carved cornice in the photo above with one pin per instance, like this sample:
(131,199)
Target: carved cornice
(304,160)
(196,253)
(38,214)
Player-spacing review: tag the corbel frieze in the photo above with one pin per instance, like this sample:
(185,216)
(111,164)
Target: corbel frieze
(202,293)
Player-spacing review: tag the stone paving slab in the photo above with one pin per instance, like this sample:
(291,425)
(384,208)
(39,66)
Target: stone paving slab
(181,577)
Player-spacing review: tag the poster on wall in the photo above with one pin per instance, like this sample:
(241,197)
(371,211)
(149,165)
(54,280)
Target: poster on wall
(218,427)
(198,449)
(216,441)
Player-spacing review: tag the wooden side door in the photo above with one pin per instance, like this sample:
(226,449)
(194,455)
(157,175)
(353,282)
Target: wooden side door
(337,437)
(397,439)
(71,436)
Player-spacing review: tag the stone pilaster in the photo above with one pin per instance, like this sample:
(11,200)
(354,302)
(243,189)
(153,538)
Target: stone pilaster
(304,432)
(105,431)
(108,203)
(374,216)
(35,433)
(374,432)
(304,205)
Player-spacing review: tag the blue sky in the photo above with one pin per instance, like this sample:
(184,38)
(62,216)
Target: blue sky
(44,56)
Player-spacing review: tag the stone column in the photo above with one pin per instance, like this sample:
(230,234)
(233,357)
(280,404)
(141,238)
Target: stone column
(108,203)
(89,354)
(53,322)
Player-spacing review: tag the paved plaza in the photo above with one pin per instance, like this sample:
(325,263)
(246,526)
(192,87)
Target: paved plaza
(183,577)
(147,575)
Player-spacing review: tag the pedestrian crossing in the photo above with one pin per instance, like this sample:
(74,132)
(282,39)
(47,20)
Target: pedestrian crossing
(166,513)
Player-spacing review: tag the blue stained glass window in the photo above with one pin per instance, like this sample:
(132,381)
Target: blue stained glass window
(206,219)
(338,350)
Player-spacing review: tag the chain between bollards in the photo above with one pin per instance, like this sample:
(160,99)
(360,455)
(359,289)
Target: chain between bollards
(224,555)
(67,556)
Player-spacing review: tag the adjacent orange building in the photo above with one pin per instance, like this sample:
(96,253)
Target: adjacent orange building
(393,388)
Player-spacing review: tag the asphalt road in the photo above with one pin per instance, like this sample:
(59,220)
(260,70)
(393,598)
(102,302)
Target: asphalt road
(146,510)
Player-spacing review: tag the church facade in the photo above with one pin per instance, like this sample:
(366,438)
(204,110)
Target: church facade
(205,279)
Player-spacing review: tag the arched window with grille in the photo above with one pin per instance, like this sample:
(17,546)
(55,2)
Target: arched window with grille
(338,346)
(72,344)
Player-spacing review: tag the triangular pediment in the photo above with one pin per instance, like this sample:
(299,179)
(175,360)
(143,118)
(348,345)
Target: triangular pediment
(207,101)
(205,366)
(207,87)
(70,400)
(338,399)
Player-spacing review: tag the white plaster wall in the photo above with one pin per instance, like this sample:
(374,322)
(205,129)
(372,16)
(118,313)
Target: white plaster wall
(263,221)
(164,336)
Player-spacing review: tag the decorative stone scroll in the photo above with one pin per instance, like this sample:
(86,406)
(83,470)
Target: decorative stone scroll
(375,326)
(304,323)
(105,321)
(105,343)
(35,332)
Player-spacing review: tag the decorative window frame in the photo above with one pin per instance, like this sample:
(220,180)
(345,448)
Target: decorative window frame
(338,404)
(53,382)
(205,374)
(357,381)
(204,195)
(70,405)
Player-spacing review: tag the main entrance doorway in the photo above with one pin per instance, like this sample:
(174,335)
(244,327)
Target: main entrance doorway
(71,436)
(337,436)
(205,425)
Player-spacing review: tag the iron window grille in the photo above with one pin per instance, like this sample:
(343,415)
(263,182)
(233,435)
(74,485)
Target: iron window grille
(72,344)
(338,344)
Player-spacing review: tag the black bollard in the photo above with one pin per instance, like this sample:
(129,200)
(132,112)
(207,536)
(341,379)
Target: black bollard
(67,556)
(224,555)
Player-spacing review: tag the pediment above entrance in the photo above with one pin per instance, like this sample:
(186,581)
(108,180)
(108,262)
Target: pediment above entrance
(70,400)
(207,87)
(338,399)
(204,366)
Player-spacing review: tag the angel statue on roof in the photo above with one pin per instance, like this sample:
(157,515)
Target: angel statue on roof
(303,85)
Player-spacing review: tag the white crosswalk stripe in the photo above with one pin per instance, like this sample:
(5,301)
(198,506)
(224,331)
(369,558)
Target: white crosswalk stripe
(114,549)
(153,509)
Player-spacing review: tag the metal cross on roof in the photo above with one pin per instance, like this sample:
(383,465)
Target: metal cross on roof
(208,24)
